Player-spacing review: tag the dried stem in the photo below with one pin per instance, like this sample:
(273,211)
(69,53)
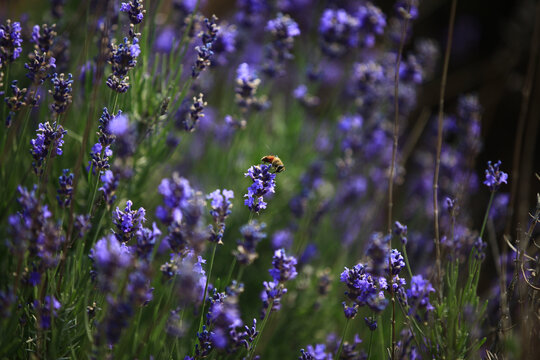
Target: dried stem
(439,144)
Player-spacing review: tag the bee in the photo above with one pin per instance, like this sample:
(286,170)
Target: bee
(276,162)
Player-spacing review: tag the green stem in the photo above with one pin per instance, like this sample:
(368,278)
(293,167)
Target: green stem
(263,324)
(231,269)
(407,260)
(206,287)
(342,338)
(486,215)
(381,336)
(370,342)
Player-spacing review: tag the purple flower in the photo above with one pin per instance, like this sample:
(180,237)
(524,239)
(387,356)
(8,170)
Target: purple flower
(110,258)
(43,38)
(61,92)
(284,267)
(146,239)
(118,125)
(65,190)
(372,22)
(338,31)
(371,322)
(16,102)
(110,183)
(247,83)
(396,262)
(349,311)
(38,67)
(263,184)
(364,288)
(10,42)
(494,176)
(418,294)
(128,222)
(49,140)
(401,231)
(282,239)
(49,303)
(135,11)
(221,209)
(252,234)
(123,58)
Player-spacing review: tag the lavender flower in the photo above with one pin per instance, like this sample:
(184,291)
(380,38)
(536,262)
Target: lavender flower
(407,9)
(10,42)
(99,158)
(43,37)
(224,43)
(377,252)
(123,58)
(48,142)
(401,231)
(494,176)
(195,113)
(418,294)
(284,267)
(247,83)
(146,239)
(479,248)
(110,183)
(190,279)
(371,322)
(283,29)
(221,209)
(338,31)
(15,102)
(251,12)
(105,136)
(372,22)
(134,9)
(110,259)
(315,353)
(47,310)
(252,234)
(204,52)
(364,288)
(263,184)
(65,190)
(128,222)
(38,67)
(61,93)
(282,239)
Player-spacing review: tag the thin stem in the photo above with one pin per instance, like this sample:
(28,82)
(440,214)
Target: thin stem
(439,144)
(370,342)
(381,335)
(486,215)
(206,287)
(396,120)
(343,338)
(263,324)
(407,260)
(231,269)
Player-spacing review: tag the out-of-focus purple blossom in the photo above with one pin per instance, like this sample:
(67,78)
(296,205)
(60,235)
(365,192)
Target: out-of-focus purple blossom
(367,79)
(115,321)
(16,102)
(310,252)
(263,184)
(47,310)
(118,125)
(302,95)
(317,352)
(166,40)
(427,53)
(110,258)
(82,224)
(247,83)
(221,209)
(338,31)
(109,186)
(106,137)
(146,239)
(190,279)
(410,70)
(225,43)
(283,29)
(406,9)
(43,37)
(470,112)
(371,322)
(7,298)
(450,205)
(401,231)
(252,234)
(128,222)
(282,239)
(139,291)
(349,311)
(134,9)
(418,294)
(65,189)
(38,67)
(10,42)
(479,249)
(176,193)
(372,22)
(48,143)
(251,12)
(123,57)
(494,176)
(61,92)
(284,267)
(499,207)
(377,251)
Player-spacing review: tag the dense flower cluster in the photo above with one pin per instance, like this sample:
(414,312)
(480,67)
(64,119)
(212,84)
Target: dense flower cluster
(61,92)
(123,58)
(10,42)
(283,30)
(494,176)
(47,144)
(134,9)
(283,270)
(263,184)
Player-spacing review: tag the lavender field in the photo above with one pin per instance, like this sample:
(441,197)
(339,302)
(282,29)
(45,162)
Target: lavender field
(269,179)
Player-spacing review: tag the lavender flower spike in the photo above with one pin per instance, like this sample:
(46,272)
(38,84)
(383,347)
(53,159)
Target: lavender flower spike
(494,176)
